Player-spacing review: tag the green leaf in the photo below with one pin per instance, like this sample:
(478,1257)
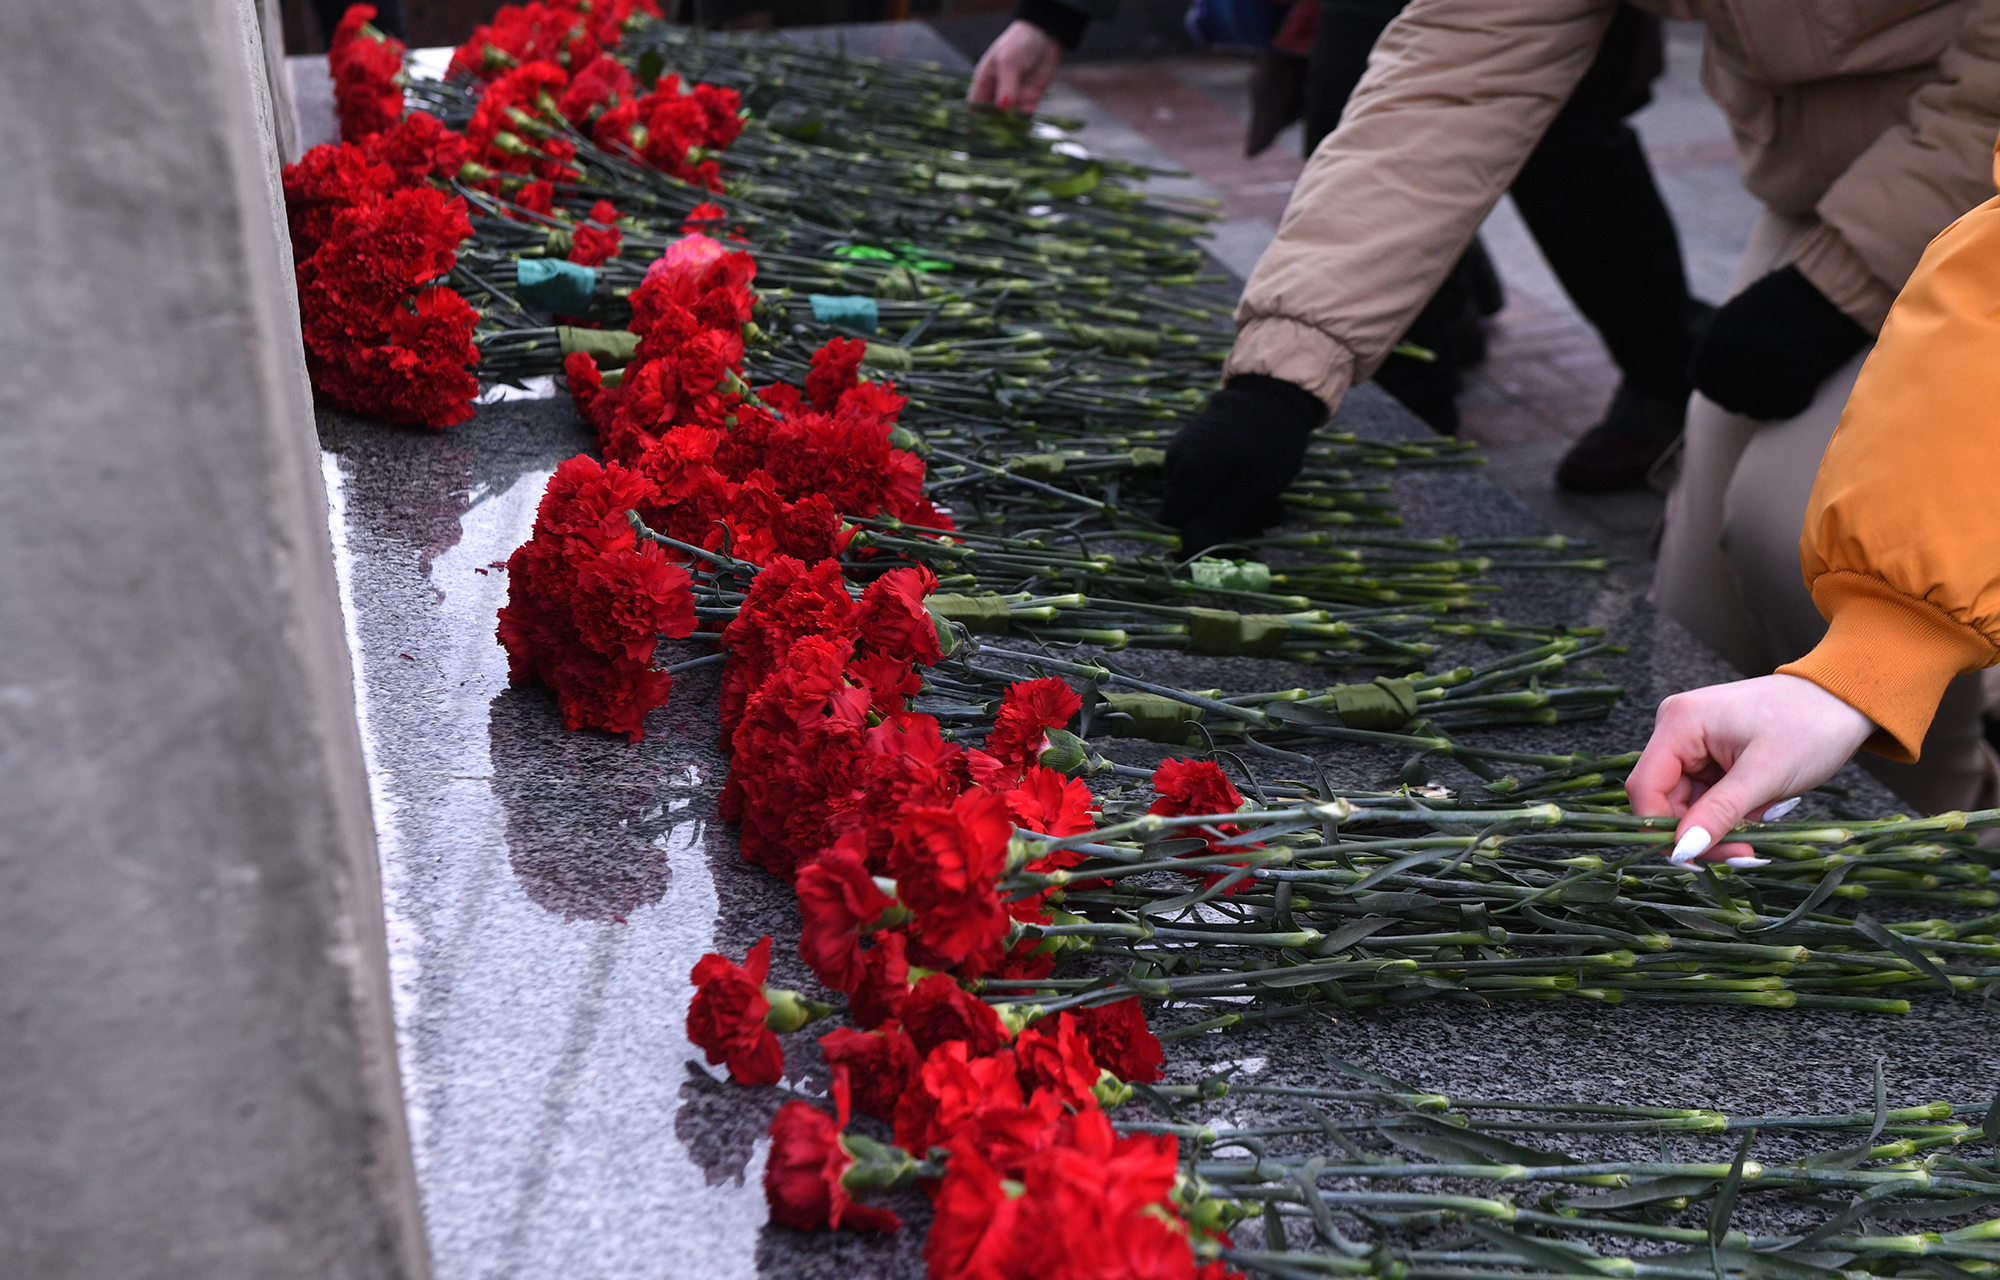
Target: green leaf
(1724,1205)
(1814,900)
(1869,928)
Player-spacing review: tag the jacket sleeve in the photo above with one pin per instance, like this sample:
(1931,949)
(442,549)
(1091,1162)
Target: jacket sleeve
(1901,546)
(1912,181)
(1066,20)
(1457,93)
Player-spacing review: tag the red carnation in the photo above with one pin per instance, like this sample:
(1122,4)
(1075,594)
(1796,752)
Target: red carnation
(1192,787)
(808,1161)
(938,1011)
(885,982)
(1058,1059)
(1120,1042)
(881,1062)
(1052,804)
(1028,710)
(947,864)
(835,369)
(837,900)
(416,148)
(894,621)
(726,1016)
(976,1226)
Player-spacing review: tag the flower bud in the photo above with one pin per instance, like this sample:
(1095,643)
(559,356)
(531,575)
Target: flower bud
(1111,1092)
(790,1010)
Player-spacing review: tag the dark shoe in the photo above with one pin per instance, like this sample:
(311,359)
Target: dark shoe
(1277,98)
(1615,455)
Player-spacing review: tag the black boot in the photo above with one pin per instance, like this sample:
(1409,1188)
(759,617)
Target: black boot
(1615,455)
(1277,97)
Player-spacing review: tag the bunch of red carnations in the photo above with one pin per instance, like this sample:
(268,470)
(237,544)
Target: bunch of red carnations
(588,601)
(372,240)
(902,905)
(367,69)
(546,64)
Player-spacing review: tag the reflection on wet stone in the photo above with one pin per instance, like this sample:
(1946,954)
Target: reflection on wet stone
(719,1124)
(587,814)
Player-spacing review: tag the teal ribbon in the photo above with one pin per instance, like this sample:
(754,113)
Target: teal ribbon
(550,284)
(850,309)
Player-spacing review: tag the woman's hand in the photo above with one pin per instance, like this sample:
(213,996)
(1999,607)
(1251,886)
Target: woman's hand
(1016,68)
(1731,752)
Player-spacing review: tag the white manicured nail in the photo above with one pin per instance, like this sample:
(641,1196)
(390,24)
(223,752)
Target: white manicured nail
(1691,846)
(1781,808)
(1747,861)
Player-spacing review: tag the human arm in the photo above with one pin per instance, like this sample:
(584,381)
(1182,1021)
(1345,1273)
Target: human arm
(1901,546)
(1901,549)
(1730,753)
(1457,94)
(1017,68)
(1913,180)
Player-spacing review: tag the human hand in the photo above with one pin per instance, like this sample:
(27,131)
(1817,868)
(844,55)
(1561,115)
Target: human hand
(1732,752)
(1769,347)
(1016,68)
(1227,465)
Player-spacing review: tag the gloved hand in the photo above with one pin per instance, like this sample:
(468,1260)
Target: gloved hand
(1228,464)
(1770,346)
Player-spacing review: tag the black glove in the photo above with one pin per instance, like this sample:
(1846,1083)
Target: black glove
(1227,466)
(1769,347)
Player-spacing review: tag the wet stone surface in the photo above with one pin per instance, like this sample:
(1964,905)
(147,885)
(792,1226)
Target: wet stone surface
(549,892)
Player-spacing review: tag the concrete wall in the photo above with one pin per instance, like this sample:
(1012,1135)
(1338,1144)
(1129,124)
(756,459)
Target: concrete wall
(197,1066)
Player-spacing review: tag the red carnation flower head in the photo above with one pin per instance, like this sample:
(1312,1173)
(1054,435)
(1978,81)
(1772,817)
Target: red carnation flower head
(726,1018)
(625,602)
(1028,710)
(894,620)
(706,217)
(836,369)
(1055,805)
(1120,1041)
(885,982)
(364,64)
(326,180)
(952,1087)
(416,148)
(1058,1059)
(587,503)
(880,1064)
(938,1011)
(947,864)
(602,85)
(786,602)
(810,1165)
(907,765)
(838,899)
(977,1226)
(1192,787)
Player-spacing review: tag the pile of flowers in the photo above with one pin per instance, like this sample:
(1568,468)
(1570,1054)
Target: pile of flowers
(375,232)
(1003,1123)
(896,839)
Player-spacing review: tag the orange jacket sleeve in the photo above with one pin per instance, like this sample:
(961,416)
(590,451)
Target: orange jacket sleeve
(1901,546)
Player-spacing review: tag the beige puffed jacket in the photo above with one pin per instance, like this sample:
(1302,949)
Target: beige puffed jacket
(1876,117)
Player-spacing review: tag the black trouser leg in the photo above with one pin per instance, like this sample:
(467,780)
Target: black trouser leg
(1448,326)
(1588,197)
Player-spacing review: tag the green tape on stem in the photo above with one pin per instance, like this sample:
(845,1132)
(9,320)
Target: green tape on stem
(851,309)
(550,284)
